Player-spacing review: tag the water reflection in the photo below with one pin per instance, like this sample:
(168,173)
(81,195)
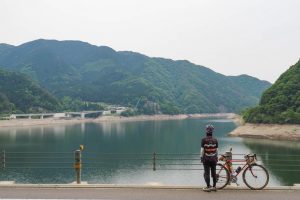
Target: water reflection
(282,158)
(174,136)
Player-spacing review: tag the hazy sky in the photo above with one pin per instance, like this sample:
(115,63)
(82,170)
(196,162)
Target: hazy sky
(256,37)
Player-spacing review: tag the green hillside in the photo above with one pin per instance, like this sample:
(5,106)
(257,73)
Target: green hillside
(101,74)
(19,94)
(5,48)
(281,102)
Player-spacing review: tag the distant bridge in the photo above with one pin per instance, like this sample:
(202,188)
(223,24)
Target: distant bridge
(83,113)
(29,116)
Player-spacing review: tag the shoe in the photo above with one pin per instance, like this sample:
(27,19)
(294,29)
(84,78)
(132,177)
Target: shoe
(214,189)
(207,189)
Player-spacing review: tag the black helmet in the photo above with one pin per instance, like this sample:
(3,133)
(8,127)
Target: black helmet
(209,129)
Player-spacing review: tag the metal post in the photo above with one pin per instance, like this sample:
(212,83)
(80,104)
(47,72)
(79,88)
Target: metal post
(3,159)
(77,166)
(154,161)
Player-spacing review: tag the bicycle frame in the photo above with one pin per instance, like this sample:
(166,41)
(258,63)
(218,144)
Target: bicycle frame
(228,165)
(247,164)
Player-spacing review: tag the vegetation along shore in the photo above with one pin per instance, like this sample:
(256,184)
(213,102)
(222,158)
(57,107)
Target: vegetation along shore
(277,116)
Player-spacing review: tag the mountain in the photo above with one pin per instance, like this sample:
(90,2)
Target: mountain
(4,48)
(281,102)
(20,94)
(250,84)
(101,74)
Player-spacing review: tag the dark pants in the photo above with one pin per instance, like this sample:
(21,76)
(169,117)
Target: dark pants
(210,166)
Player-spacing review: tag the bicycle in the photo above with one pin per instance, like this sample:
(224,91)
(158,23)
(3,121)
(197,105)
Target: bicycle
(255,176)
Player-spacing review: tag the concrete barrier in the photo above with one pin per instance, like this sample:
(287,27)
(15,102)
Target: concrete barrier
(12,184)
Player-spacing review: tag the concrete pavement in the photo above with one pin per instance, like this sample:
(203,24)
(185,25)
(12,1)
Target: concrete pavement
(114,192)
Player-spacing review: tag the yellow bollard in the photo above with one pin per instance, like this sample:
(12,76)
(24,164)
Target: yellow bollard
(77,166)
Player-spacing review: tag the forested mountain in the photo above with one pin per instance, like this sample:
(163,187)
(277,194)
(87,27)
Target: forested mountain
(101,74)
(246,83)
(4,48)
(20,94)
(281,102)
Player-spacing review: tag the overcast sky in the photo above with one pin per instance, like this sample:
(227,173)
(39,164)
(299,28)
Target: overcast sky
(256,37)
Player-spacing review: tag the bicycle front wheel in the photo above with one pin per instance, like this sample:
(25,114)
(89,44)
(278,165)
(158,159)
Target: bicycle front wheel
(222,174)
(256,177)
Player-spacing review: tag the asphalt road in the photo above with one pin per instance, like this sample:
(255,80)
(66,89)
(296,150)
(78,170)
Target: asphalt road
(144,194)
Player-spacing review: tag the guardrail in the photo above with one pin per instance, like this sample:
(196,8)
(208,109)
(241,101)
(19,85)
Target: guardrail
(79,160)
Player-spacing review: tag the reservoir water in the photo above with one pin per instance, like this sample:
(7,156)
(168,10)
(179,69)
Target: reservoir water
(121,152)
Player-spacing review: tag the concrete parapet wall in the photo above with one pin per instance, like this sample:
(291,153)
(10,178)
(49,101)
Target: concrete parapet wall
(86,185)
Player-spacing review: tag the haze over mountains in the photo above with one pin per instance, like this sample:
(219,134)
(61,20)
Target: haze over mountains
(100,74)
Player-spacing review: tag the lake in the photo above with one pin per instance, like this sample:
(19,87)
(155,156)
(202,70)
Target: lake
(121,152)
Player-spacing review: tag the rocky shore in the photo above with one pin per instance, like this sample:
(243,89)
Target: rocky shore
(268,131)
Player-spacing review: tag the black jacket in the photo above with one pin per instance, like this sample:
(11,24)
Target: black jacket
(210,148)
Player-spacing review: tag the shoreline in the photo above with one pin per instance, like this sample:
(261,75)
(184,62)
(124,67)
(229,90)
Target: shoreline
(104,119)
(289,132)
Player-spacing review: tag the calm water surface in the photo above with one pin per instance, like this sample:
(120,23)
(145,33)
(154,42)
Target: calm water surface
(121,152)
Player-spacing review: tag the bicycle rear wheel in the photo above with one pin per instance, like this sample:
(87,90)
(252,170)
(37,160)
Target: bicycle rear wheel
(222,174)
(256,177)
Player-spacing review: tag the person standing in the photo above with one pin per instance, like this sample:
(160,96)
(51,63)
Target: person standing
(209,158)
